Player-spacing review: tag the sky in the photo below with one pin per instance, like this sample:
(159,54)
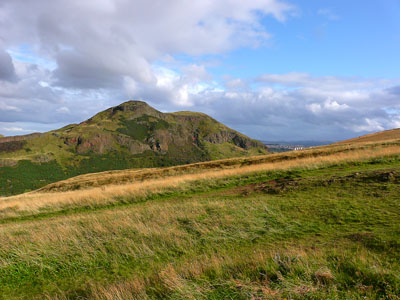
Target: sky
(275,70)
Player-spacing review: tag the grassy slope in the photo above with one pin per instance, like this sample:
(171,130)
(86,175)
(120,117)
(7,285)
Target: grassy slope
(27,175)
(387,135)
(118,177)
(321,231)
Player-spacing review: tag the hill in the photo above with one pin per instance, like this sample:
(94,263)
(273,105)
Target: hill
(130,135)
(319,223)
(376,137)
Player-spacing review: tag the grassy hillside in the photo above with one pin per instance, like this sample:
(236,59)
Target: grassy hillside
(377,137)
(312,155)
(131,135)
(316,224)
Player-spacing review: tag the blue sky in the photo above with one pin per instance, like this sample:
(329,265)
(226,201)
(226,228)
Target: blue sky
(337,38)
(275,70)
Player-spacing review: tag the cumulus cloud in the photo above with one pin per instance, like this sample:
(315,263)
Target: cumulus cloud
(337,109)
(63,61)
(97,43)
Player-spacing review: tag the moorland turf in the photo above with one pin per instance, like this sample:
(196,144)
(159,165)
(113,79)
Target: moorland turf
(318,232)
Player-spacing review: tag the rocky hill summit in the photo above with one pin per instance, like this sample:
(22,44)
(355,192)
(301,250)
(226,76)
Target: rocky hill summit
(137,127)
(130,135)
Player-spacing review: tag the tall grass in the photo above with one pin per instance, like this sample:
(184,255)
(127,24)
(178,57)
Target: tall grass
(36,202)
(336,241)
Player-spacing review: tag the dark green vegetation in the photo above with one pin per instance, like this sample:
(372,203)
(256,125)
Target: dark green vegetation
(325,233)
(27,175)
(131,135)
(140,128)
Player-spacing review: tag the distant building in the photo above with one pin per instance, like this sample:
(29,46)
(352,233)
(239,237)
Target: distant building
(284,148)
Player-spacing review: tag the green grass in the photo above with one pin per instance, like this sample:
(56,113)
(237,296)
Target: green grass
(140,128)
(27,175)
(327,233)
(229,150)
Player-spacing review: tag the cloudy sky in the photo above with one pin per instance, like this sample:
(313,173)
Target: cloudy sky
(273,69)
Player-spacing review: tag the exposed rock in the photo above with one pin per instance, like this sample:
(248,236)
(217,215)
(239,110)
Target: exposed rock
(238,140)
(220,137)
(98,143)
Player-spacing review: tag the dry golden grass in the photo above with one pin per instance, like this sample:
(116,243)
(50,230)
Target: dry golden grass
(382,136)
(41,200)
(131,176)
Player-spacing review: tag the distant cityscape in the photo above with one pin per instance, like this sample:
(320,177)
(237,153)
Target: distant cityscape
(284,146)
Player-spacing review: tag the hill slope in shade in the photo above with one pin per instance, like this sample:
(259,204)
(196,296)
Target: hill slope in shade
(130,135)
(376,137)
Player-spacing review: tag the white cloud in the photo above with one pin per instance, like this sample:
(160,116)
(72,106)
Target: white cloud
(6,107)
(100,42)
(15,129)
(368,125)
(334,106)
(81,57)
(314,108)
(63,109)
